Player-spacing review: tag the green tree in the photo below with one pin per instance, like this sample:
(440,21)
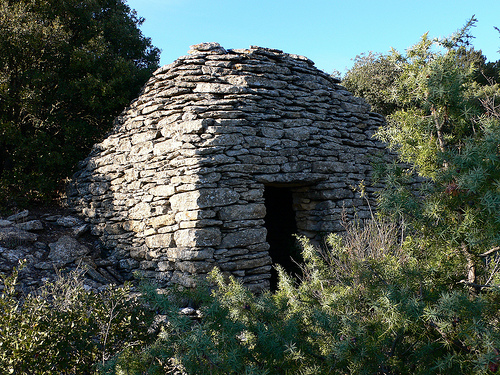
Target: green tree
(378,78)
(67,68)
(448,138)
(371,78)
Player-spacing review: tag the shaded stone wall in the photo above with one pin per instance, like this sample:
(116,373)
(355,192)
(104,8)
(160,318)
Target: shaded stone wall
(178,185)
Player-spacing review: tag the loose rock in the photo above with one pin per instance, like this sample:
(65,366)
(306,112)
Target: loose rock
(69,246)
(67,250)
(18,216)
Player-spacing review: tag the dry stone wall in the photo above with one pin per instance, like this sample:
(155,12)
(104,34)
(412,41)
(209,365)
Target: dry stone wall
(178,186)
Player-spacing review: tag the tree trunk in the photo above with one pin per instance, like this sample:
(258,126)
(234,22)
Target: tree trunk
(471,268)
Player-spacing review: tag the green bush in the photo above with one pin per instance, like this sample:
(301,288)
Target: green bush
(369,304)
(373,301)
(65,329)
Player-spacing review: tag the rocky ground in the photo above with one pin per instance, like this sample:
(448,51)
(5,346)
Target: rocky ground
(52,241)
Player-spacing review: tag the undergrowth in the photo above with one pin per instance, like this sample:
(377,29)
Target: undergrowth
(373,301)
(64,329)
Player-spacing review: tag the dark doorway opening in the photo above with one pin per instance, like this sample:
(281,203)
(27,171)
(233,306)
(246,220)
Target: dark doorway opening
(281,226)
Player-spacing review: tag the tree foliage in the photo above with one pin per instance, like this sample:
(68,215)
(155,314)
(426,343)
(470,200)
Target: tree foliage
(62,328)
(67,68)
(373,301)
(367,304)
(371,78)
(396,81)
(447,130)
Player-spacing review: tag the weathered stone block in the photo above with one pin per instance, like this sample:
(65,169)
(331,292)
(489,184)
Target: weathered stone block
(328,167)
(299,166)
(219,88)
(298,134)
(66,250)
(165,266)
(194,215)
(161,221)
(10,236)
(224,140)
(147,265)
(203,198)
(272,132)
(189,254)
(200,223)
(143,136)
(30,225)
(159,240)
(260,270)
(5,223)
(244,237)
(242,212)
(115,228)
(140,211)
(19,216)
(142,148)
(195,267)
(134,225)
(98,188)
(166,147)
(253,263)
(185,201)
(197,237)
(162,191)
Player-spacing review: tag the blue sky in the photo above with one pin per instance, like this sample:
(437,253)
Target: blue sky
(329,32)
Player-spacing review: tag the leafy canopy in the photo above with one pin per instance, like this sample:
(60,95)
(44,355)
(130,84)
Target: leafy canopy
(67,68)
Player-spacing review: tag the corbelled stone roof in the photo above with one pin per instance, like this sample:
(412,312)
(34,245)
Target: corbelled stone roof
(178,186)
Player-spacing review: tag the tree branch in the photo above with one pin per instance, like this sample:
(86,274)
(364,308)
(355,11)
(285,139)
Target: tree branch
(474,285)
(490,251)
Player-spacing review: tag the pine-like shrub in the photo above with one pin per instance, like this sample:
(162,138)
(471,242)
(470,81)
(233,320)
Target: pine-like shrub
(369,303)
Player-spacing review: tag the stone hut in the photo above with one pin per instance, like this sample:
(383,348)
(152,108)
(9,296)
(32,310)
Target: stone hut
(222,157)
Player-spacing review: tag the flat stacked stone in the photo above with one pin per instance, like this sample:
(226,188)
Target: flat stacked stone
(177,186)
(50,243)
